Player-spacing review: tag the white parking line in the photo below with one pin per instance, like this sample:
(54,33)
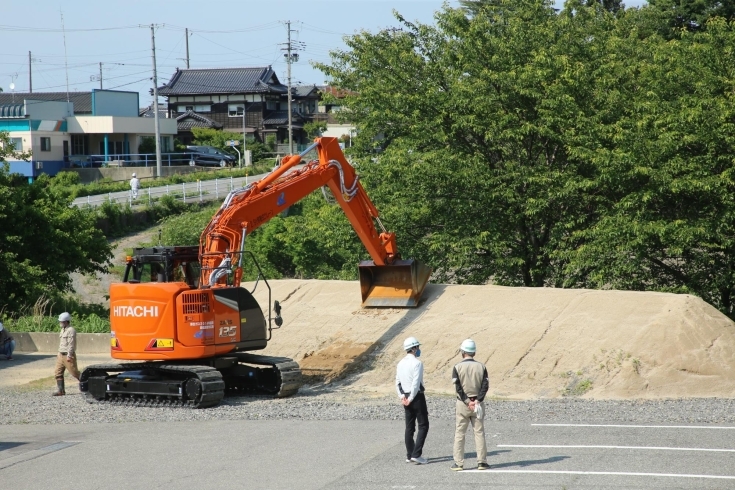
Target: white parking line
(621,447)
(637,426)
(603,473)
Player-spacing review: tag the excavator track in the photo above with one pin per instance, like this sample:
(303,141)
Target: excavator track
(153,384)
(157,384)
(278,376)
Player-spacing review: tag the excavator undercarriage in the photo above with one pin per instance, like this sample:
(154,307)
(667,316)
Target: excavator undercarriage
(195,385)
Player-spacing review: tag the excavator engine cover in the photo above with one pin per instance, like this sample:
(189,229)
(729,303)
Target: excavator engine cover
(399,284)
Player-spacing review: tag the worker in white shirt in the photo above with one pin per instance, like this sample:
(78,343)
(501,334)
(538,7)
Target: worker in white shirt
(134,186)
(410,389)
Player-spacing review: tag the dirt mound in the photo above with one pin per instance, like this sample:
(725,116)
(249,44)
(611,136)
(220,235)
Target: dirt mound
(536,342)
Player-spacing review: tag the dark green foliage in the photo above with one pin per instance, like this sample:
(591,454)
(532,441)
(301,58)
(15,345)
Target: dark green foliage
(527,147)
(691,15)
(44,239)
(147,144)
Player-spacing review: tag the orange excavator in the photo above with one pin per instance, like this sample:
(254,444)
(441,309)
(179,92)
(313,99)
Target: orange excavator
(188,327)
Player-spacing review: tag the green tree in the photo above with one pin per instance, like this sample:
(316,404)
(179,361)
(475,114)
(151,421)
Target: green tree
(692,14)
(315,129)
(216,138)
(668,179)
(44,238)
(479,175)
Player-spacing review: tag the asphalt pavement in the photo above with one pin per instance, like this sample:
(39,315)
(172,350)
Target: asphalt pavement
(360,454)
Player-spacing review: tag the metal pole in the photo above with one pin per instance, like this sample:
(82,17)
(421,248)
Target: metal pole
(216,189)
(155,104)
(199,182)
(244,143)
(183,185)
(100,75)
(231,183)
(30,74)
(149,196)
(187,47)
(167,192)
(290,123)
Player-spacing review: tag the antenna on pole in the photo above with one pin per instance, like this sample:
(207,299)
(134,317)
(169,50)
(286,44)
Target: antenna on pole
(30,74)
(66,64)
(95,78)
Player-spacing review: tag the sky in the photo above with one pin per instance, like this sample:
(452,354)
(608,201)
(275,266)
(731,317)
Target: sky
(221,34)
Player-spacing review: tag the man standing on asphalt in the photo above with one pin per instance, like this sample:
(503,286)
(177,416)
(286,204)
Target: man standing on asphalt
(67,357)
(7,344)
(134,186)
(410,389)
(471,382)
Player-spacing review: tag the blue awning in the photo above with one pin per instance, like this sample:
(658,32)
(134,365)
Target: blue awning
(12,110)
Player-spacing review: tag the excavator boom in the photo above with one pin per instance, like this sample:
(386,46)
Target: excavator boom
(385,281)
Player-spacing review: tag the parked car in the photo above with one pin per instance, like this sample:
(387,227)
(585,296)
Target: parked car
(208,155)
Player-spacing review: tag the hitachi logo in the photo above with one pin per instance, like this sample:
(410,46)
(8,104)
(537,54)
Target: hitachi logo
(138,311)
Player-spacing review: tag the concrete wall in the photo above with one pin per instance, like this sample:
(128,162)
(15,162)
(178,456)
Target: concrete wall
(110,124)
(114,103)
(89,175)
(48,109)
(87,343)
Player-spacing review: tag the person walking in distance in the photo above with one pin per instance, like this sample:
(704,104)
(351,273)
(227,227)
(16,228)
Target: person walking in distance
(134,186)
(410,389)
(67,356)
(471,382)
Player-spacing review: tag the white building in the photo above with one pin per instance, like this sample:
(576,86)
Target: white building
(58,137)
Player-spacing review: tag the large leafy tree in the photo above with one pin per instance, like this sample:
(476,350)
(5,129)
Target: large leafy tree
(669,179)
(478,117)
(44,238)
(691,15)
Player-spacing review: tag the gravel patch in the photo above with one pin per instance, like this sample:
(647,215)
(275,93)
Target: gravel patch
(39,407)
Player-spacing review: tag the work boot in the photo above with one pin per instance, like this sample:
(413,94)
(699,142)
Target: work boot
(59,388)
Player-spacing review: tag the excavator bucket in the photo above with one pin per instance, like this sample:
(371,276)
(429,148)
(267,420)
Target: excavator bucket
(398,285)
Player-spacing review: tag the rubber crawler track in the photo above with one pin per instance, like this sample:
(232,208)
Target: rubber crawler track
(212,385)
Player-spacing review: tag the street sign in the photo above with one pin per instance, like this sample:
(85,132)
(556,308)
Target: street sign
(233,143)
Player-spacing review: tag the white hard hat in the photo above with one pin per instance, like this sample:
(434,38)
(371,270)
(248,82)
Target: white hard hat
(468,346)
(133,174)
(65,317)
(410,343)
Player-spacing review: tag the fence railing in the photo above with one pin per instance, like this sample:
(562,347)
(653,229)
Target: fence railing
(204,190)
(134,160)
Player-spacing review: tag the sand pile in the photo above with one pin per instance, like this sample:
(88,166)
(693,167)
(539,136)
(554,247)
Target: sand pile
(536,342)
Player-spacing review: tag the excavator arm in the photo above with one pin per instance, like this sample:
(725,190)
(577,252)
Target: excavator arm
(386,280)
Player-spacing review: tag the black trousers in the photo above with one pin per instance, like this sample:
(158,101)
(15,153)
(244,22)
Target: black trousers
(416,410)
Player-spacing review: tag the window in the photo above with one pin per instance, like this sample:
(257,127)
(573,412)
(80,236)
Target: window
(45,144)
(78,146)
(196,108)
(234,110)
(17,143)
(271,105)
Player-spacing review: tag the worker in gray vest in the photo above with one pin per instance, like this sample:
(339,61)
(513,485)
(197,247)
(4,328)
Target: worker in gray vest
(471,382)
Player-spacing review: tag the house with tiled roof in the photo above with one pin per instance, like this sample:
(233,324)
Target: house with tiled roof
(243,100)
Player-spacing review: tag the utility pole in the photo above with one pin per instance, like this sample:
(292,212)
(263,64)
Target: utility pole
(187,47)
(30,74)
(100,75)
(155,104)
(290,122)
(290,58)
